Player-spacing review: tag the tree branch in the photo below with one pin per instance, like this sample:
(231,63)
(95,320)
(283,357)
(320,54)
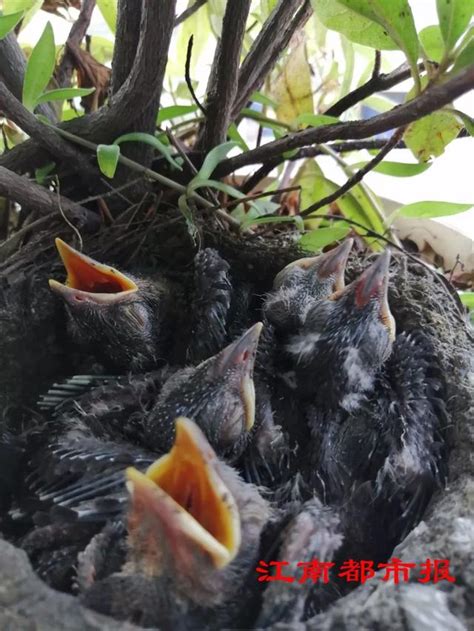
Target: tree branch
(429,101)
(140,89)
(272,40)
(357,177)
(376,83)
(189,12)
(222,86)
(76,35)
(30,195)
(62,151)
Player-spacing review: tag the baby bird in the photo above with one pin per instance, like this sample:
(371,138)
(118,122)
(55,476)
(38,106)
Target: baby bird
(122,320)
(303,283)
(344,341)
(194,531)
(74,460)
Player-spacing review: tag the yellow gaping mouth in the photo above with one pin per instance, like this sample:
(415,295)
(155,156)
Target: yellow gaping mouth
(86,278)
(183,491)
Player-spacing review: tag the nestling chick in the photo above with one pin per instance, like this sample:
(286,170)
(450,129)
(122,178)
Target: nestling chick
(123,320)
(75,460)
(302,284)
(344,341)
(193,536)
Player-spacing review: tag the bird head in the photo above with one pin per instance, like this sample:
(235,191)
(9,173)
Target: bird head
(218,394)
(189,519)
(346,339)
(110,312)
(303,282)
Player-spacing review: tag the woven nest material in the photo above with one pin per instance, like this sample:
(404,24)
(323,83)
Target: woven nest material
(31,334)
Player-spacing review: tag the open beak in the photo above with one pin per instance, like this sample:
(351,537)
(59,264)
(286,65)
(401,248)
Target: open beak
(88,280)
(371,285)
(242,353)
(329,264)
(183,494)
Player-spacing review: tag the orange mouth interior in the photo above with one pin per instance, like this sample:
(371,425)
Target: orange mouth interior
(186,477)
(85,274)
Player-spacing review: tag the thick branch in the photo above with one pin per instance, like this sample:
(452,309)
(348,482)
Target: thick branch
(429,101)
(357,177)
(76,35)
(268,46)
(57,147)
(30,195)
(12,71)
(189,12)
(222,86)
(142,86)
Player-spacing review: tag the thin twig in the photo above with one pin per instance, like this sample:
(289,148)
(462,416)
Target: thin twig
(357,177)
(153,175)
(31,195)
(189,12)
(377,65)
(288,17)
(372,233)
(187,75)
(376,83)
(432,99)
(76,35)
(60,150)
(251,198)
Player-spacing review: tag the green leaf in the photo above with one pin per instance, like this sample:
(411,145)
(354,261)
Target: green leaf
(213,158)
(316,240)
(396,18)
(316,120)
(102,49)
(148,139)
(108,8)
(108,157)
(379,104)
(277,126)
(235,135)
(454,16)
(63,94)
(215,12)
(198,27)
(397,169)
(467,298)
(220,186)
(354,205)
(432,42)
(335,15)
(349,66)
(39,69)
(465,58)
(8,22)
(309,178)
(432,209)
(188,216)
(173,111)
(292,89)
(283,219)
(467,121)
(429,136)
(263,99)
(41,174)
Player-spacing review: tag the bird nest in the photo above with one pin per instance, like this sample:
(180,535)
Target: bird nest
(30,347)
